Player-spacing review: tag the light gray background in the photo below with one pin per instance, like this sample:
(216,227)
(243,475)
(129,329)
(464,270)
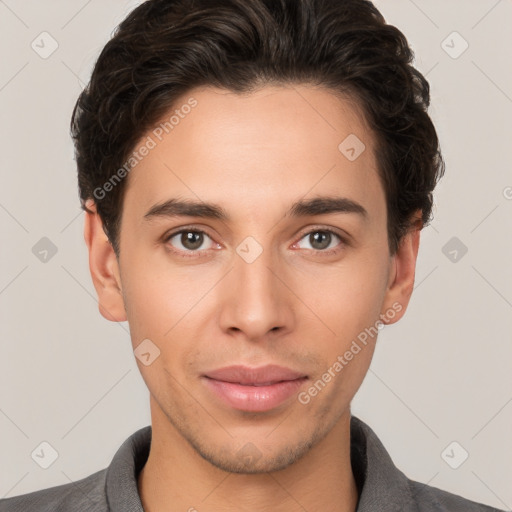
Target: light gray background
(442,374)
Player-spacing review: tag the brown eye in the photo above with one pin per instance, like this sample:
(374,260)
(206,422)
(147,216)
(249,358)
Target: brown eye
(320,240)
(191,240)
(188,240)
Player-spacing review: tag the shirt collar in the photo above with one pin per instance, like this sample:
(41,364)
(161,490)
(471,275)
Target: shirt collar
(121,479)
(384,487)
(380,484)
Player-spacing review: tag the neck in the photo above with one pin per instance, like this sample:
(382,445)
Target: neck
(176,478)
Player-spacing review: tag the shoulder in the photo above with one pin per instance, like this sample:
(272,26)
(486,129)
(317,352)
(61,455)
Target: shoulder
(384,487)
(85,494)
(432,499)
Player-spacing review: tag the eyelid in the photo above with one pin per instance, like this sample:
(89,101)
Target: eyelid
(187,228)
(326,229)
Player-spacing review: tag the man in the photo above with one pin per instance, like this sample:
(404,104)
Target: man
(255,177)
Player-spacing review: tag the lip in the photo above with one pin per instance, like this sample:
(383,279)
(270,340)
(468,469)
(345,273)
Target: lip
(254,389)
(269,373)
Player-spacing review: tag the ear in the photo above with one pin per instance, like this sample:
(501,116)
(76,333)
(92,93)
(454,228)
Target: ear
(401,276)
(104,267)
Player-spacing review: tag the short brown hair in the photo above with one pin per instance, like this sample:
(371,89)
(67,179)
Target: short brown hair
(165,48)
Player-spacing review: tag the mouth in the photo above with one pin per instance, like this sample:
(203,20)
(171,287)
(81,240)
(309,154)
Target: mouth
(257,384)
(254,389)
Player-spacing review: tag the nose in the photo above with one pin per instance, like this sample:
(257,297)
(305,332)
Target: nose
(256,300)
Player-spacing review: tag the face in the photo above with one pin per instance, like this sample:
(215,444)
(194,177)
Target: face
(284,261)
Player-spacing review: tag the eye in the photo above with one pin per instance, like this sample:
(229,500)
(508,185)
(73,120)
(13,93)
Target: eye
(195,241)
(321,240)
(189,240)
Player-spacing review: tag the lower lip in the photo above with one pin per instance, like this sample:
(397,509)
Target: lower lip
(254,398)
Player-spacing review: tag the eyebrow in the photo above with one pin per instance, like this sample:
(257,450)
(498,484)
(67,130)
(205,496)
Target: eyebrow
(316,206)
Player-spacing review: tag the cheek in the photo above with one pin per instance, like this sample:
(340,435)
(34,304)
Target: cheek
(348,301)
(147,308)
(349,305)
(159,297)
(348,297)
(170,308)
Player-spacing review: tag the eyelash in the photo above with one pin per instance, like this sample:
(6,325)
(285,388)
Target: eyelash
(194,254)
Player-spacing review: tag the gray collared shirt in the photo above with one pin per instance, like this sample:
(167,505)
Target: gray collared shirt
(382,487)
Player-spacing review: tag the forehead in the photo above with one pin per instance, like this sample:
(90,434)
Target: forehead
(271,146)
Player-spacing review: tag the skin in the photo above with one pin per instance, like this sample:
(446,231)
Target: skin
(254,155)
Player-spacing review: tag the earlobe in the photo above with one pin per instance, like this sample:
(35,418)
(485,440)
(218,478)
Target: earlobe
(104,267)
(401,281)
